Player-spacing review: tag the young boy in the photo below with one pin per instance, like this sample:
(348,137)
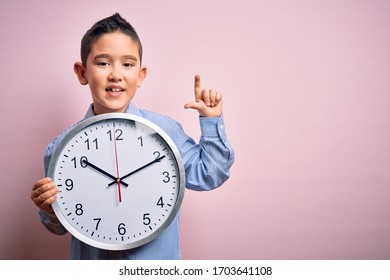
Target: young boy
(111,64)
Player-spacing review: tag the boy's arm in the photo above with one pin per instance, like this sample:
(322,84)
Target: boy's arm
(43,194)
(208,163)
(51,222)
(48,218)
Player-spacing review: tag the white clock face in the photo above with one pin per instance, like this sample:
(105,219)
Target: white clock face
(121,181)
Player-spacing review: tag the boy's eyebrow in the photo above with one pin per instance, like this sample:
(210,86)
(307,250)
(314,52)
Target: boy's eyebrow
(104,55)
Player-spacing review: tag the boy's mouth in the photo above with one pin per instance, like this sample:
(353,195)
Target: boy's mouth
(114,90)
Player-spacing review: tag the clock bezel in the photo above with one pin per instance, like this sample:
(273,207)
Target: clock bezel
(126,117)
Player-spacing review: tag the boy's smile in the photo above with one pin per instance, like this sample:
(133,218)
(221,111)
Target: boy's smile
(113,72)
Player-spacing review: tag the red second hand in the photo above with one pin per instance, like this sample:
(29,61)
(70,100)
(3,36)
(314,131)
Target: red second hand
(117,168)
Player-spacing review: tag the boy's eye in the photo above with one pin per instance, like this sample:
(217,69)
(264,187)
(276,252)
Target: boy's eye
(128,64)
(102,63)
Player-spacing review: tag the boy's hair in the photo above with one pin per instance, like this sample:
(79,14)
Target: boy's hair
(107,25)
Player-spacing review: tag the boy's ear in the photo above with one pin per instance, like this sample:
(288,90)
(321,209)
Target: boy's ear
(142,75)
(80,72)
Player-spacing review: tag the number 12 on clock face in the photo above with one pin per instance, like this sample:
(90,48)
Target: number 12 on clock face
(121,181)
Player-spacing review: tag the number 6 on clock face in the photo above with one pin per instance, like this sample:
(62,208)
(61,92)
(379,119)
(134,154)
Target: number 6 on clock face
(121,181)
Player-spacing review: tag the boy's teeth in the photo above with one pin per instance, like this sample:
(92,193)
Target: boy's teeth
(114,89)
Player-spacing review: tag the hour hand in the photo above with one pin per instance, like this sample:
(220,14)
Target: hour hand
(86,162)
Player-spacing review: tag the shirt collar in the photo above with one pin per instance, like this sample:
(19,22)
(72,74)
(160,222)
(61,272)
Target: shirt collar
(132,109)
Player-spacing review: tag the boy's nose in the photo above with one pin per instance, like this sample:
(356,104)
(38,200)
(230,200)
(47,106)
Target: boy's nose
(115,75)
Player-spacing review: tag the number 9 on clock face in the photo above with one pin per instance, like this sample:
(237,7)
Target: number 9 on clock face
(121,181)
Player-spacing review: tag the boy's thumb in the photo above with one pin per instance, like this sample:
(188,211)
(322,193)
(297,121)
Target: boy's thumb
(193,105)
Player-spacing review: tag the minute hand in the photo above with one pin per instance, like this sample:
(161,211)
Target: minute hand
(139,169)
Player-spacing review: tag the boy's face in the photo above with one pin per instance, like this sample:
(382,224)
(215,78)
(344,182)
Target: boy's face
(113,72)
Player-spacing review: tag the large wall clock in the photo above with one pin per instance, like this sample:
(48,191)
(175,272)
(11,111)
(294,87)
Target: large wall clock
(121,181)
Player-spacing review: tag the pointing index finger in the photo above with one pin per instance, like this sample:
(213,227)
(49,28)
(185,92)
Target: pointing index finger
(197,87)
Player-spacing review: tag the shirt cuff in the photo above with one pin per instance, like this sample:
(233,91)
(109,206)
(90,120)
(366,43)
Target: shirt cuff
(211,127)
(48,217)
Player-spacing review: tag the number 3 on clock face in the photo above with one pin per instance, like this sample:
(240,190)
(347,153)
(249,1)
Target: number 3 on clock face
(121,181)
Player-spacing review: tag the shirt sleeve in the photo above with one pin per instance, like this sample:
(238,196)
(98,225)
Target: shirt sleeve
(207,164)
(51,222)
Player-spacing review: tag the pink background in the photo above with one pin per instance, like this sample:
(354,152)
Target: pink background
(306,101)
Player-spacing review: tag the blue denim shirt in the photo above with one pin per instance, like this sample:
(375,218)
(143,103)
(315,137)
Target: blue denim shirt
(206,164)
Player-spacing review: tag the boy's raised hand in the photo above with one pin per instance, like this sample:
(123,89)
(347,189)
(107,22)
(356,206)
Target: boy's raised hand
(208,102)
